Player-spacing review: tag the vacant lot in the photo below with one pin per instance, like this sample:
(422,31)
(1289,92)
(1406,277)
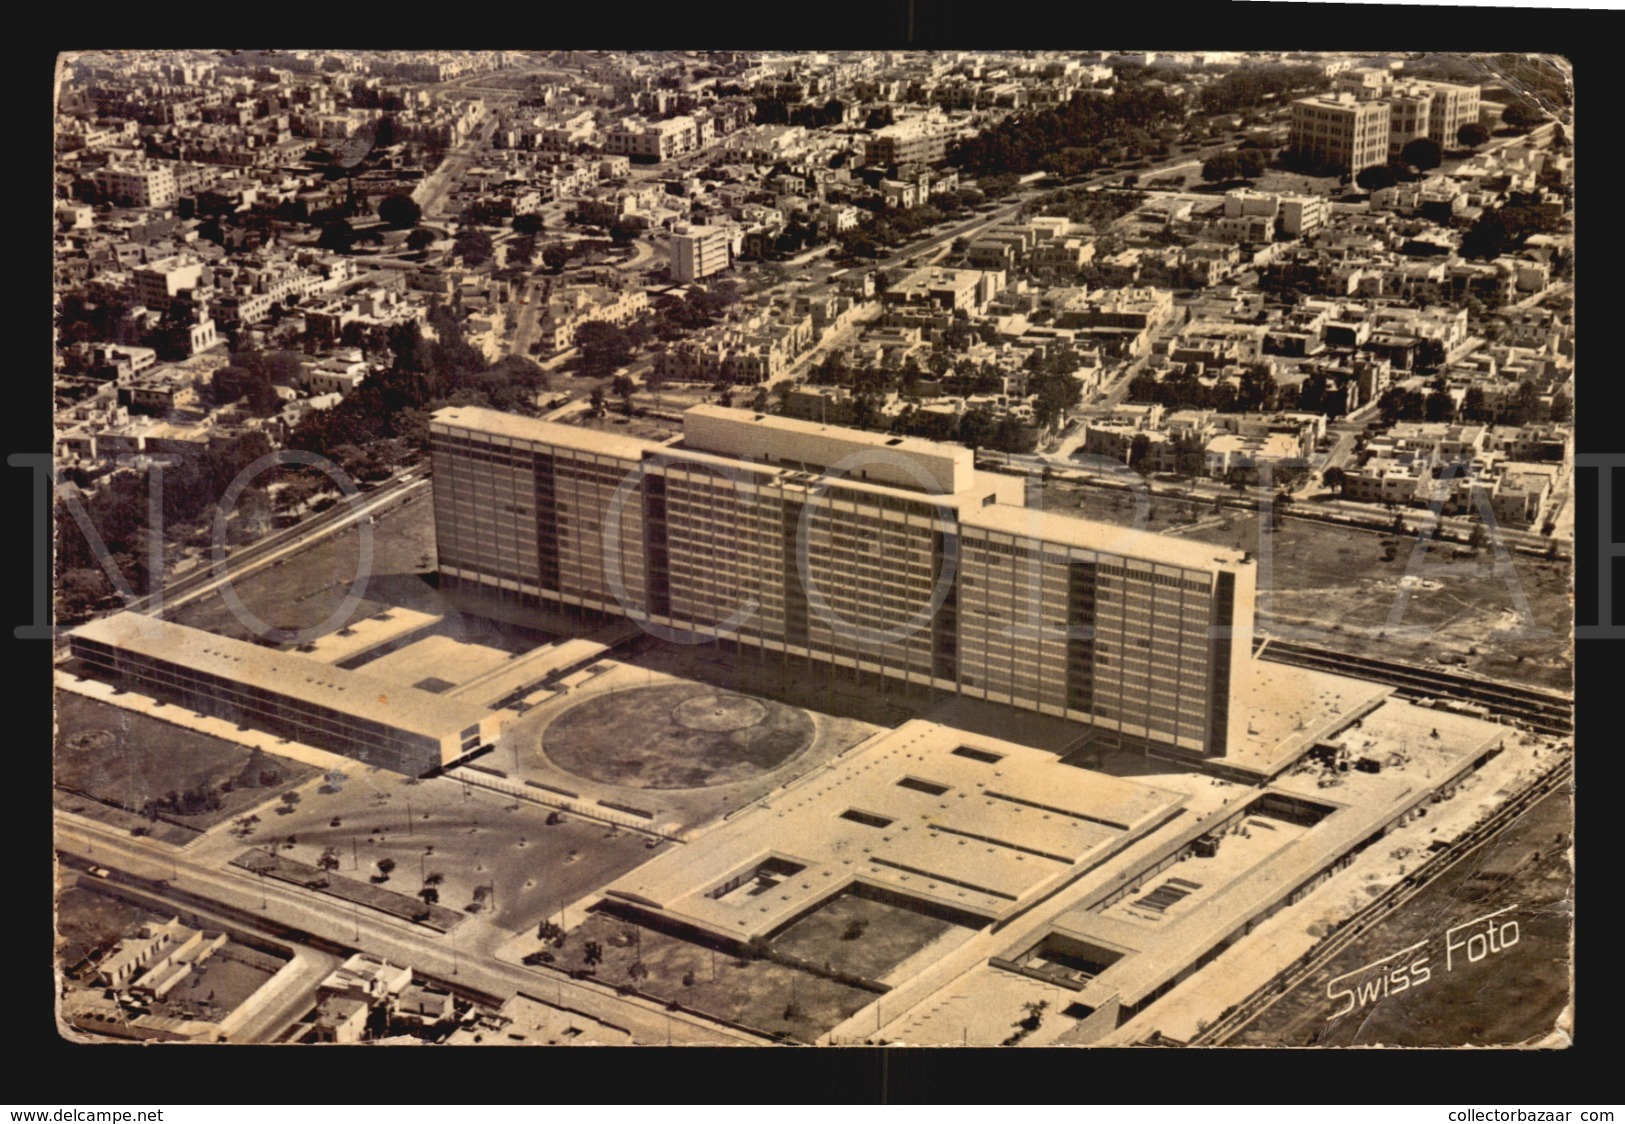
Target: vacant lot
(1505,998)
(1330,586)
(304,589)
(859,936)
(130,760)
(683,736)
(88,922)
(760,994)
(647,429)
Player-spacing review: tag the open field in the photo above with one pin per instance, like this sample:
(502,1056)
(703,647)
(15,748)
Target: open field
(757,993)
(681,736)
(127,760)
(306,588)
(471,837)
(1512,996)
(860,936)
(1329,586)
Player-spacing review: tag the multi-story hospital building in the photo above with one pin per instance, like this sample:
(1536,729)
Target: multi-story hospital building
(847,549)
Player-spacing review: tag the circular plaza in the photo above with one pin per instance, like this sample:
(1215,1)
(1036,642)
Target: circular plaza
(675,736)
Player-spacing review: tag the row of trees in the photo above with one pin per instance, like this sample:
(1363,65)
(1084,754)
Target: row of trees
(1136,116)
(1251,86)
(1241,164)
(1435,404)
(1182,389)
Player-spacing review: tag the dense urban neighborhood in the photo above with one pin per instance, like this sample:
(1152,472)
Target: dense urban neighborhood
(536,529)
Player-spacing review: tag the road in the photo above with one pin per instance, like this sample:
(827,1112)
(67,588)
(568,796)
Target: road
(437,186)
(530,312)
(465,956)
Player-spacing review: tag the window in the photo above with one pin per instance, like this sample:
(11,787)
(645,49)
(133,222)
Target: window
(866,818)
(981,755)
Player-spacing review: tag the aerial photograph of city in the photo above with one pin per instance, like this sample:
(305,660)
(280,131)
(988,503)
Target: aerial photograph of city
(1027,548)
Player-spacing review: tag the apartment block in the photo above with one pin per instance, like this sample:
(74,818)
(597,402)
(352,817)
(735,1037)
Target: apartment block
(906,143)
(1340,131)
(853,552)
(700,251)
(139,184)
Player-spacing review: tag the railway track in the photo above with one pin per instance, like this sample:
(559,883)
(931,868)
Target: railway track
(1543,711)
(1237,1019)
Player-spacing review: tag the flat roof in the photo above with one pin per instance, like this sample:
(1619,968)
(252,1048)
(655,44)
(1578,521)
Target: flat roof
(917,446)
(1110,538)
(519,428)
(936,813)
(1005,515)
(291,674)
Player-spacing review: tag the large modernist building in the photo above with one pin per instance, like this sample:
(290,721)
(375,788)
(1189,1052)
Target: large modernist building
(380,722)
(849,550)
(1369,118)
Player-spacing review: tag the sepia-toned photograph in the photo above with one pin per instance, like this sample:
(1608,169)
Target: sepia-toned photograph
(1019,548)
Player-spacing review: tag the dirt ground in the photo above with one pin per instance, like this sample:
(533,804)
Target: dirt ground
(127,759)
(859,936)
(761,994)
(1329,586)
(305,589)
(87,921)
(1512,996)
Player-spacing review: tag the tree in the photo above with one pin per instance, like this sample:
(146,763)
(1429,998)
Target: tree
(1522,116)
(384,867)
(597,400)
(1335,479)
(1137,450)
(1376,177)
(555,256)
(1221,167)
(473,246)
(429,895)
(976,427)
(1422,153)
(399,212)
(336,235)
(529,223)
(1472,134)
(592,953)
(1250,163)
(420,239)
(604,347)
(329,860)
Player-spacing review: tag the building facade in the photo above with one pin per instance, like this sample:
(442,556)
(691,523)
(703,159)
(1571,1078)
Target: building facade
(700,252)
(1339,131)
(403,729)
(850,551)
